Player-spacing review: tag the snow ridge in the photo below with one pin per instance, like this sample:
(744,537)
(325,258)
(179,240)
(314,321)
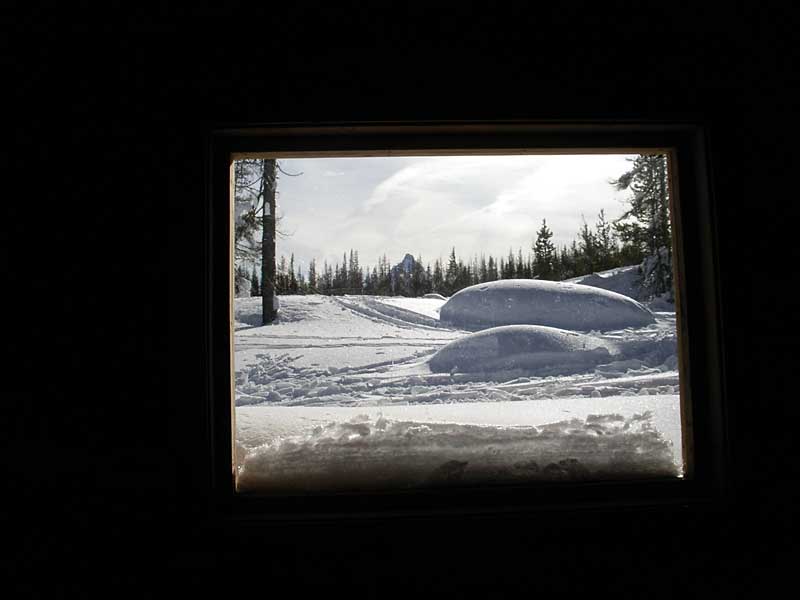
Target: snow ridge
(360,454)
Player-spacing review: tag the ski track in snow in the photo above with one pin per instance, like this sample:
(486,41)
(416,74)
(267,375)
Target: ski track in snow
(368,351)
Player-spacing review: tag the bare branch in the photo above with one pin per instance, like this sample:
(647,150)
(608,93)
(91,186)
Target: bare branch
(289,174)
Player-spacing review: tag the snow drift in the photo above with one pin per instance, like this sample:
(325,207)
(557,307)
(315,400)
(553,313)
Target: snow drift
(550,303)
(384,454)
(521,346)
(622,280)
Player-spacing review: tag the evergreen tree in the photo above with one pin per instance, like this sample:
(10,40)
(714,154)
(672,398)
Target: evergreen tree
(355,275)
(417,278)
(293,286)
(384,283)
(428,280)
(281,282)
(255,287)
(255,190)
(491,270)
(510,270)
(312,276)
(327,277)
(437,280)
(451,275)
(302,286)
(604,243)
(544,253)
(344,276)
(645,226)
(463,276)
(586,259)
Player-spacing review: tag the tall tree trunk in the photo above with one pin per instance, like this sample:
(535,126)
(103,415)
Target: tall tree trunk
(268,311)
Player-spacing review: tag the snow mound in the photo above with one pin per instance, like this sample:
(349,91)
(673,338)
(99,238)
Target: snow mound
(361,455)
(521,346)
(550,303)
(435,295)
(623,280)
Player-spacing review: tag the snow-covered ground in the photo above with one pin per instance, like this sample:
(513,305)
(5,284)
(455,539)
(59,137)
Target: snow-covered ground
(339,393)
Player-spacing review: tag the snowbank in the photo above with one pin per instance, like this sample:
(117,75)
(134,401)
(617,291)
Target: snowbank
(622,280)
(550,303)
(435,295)
(362,454)
(521,346)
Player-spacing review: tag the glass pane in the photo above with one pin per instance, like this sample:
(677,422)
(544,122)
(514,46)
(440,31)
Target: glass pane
(454,320)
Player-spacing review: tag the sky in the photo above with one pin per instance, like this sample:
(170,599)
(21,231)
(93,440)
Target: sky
(427,205)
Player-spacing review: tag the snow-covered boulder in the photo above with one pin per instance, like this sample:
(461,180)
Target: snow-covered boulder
(550,303)
(520,346)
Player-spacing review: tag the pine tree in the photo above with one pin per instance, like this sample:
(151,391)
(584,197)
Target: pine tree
(255,287)
(428,280)
(491,270)
(451,275)
(312,276)
(293,286)
(327,278)
(645,226)
(544,253)
(343,274)
(586,259)
(605,244)
(483,270)
(281,282)
(510,270)
(255,191)
(437,280)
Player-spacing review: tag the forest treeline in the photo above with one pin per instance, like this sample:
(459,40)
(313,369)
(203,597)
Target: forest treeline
(640,236)
(595,249)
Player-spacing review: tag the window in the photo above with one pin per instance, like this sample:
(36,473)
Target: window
(518,357)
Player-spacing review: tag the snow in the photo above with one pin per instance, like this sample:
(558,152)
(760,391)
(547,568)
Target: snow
(363,453)
(627,281)
(534,302)
(527,346)
(326,395)
(429,305)
(622,280)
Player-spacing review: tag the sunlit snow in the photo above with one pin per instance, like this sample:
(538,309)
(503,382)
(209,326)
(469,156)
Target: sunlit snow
(550,303)
(356,392)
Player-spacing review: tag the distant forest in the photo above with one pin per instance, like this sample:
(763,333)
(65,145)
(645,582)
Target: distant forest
(641,236)
(596,249)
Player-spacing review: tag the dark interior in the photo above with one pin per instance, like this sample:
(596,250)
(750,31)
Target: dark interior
(109,457)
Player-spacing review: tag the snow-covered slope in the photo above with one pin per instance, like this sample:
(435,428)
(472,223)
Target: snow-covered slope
(622,280)
(313,387)
(550,303)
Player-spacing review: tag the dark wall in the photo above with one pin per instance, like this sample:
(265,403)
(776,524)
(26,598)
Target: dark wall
(113,438)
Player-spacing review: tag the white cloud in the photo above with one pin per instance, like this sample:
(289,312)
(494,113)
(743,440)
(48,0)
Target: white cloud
(426,205)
